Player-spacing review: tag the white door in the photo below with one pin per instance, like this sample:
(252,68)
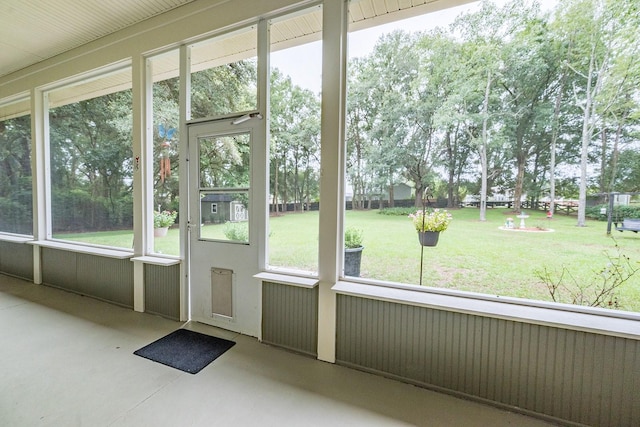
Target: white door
(225,213)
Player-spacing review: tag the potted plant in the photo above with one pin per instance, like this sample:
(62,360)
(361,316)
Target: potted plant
(162,220)
(429,225)
(352,251)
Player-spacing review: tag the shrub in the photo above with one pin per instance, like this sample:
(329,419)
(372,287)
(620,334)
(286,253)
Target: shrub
(352,238)
(601,290)
(619,212)
(397,211)
(237,231)
(15,217)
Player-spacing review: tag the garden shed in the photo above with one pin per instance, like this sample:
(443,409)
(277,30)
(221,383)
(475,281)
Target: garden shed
(218,208)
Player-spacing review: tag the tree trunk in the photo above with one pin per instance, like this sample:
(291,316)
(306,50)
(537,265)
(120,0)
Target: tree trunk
(483,150)
(554,141)
(420,191)
(275,189)
(285,194)
(614,159)
(296,185)
(602,184)
(586,140)
(517,194)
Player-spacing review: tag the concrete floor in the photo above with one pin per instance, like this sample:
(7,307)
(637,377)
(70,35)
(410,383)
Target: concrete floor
(67,360)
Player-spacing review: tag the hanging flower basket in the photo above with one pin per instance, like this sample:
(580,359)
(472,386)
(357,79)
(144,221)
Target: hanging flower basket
(164,218)
(436,220)
(429,224)
(428,238)
(160,231)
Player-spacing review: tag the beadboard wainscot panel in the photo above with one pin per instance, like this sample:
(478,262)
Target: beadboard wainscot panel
(290,316)
(581,377)
(162,290)
(105,278)
(59,269)
(16,259)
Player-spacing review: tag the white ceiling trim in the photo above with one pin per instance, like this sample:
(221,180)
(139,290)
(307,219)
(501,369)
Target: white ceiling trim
(34,30)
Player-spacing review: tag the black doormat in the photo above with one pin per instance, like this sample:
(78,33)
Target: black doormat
(185,350)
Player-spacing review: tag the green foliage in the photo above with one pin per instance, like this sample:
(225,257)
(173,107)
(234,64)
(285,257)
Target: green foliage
(224,161)
(431,220)
(352,238)
(164,218)
(237,231)
(91,154)
(629,170)
(224,89)
(15,176)
(16,216)
(620,212)
(396,211)
(295,142)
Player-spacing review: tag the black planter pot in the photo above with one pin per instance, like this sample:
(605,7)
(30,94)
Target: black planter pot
(428,238)
(352,259)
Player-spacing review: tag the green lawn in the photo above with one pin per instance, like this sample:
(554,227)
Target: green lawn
(471,255)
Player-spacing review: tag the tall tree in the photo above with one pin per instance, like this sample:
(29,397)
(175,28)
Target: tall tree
(295,141)
(360,115)
(602,34)
(483,34)
(445,99)
(529,70)
(400,132)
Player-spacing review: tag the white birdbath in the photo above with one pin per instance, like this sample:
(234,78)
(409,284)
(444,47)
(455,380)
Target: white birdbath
(522,217)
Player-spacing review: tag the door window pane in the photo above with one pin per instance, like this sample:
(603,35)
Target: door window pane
(224,175)
(224,161)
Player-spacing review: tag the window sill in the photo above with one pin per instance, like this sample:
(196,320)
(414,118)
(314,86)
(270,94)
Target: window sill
(302,282)
(90,250)
(14,238)
(156,260)
(508,310)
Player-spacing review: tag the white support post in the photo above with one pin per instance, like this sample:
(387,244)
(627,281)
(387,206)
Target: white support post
(260,151)
(332,170)
(142,171)
(39,168)
(183,152)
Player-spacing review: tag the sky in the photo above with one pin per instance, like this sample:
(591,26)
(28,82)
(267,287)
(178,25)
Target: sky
(361,43)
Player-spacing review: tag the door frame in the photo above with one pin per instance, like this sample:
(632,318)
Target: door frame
(247,313)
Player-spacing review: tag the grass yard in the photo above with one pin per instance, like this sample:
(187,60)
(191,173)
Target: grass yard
(471,255)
